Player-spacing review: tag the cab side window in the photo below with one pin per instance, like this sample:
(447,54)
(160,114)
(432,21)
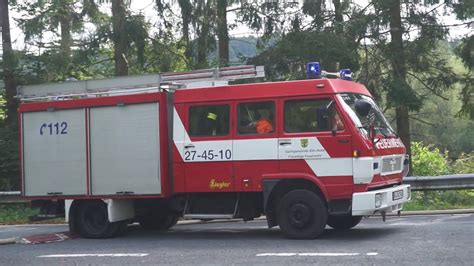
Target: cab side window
(209,120)
(256,118)
(311,116)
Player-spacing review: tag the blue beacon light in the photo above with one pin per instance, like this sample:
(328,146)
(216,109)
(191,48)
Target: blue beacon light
(313,70)
(345,74)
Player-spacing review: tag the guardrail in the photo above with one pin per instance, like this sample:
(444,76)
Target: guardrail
(444,182)
(10,196)
(418,183)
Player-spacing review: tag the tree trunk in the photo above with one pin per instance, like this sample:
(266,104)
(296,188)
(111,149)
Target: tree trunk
(397,58)
(338,16)
(203,35)
(186,10)
(65,21)
(119,38)
(9,64)
(222,33)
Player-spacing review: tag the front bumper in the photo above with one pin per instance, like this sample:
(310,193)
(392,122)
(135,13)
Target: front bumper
(364,203)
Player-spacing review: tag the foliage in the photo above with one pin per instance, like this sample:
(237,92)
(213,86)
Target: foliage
(2,105)
(20,213)
(16,213)
(9,163)
(437,121)
(441,200)
(429,161)
(464,164)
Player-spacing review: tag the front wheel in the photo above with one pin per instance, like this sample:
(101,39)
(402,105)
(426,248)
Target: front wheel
(302,214)
(343,222)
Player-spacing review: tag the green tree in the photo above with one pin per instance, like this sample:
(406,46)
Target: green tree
(317,32)
(9,63)
(61,19)
(404,37)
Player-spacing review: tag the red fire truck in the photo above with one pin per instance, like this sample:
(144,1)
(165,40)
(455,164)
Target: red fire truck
(157,148)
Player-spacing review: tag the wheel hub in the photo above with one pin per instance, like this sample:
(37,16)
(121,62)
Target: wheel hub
(96,218)
(299,215)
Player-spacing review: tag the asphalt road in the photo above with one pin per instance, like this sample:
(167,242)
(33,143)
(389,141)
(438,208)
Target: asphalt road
(413,240)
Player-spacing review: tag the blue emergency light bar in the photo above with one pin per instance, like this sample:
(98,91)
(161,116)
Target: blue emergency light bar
(313,70)
(345,74)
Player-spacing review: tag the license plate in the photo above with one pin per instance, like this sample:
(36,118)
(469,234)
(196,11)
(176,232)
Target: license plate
(396,195)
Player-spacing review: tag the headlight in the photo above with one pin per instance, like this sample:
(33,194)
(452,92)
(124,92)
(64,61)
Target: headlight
(378,200)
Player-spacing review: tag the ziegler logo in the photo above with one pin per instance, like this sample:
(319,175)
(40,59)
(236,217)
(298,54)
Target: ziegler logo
(304,143)
(213,184)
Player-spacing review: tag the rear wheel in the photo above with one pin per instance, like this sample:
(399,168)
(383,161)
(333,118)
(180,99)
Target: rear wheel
(93,221)
(302,214)
(158,222)
(343,222)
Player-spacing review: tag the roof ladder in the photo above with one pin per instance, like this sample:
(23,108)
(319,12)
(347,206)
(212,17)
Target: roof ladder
(137,84)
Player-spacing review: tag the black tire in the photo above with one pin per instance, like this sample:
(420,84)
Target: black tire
(343,222)
(122,228)
(93,221)
(302,214)
(158,222)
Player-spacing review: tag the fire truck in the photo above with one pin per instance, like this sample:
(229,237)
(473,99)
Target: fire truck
(157,148)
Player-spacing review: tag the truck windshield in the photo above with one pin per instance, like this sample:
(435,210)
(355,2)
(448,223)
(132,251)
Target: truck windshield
(381,124)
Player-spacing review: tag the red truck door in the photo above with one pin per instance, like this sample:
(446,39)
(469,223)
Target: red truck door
(255,146)
(315,138)
(207,148)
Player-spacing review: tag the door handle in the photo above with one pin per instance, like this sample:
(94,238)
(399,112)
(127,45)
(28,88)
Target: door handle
(343,141)
(187,146)
(284,143)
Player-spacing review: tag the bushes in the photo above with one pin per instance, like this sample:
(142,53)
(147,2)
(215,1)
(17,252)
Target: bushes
(429,161)
(9,163)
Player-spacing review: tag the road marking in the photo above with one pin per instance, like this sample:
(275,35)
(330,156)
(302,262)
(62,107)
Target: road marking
(94,255)
(327,254)
(276,254)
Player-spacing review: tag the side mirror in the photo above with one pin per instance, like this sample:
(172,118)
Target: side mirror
(362,107)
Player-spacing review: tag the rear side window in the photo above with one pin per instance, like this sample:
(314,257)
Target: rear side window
(307,116)
(209,120)
(256,118)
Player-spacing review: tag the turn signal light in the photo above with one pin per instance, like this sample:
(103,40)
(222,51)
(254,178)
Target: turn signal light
(356,153)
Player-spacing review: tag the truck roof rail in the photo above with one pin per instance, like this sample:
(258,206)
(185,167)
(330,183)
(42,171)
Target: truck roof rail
(137,84)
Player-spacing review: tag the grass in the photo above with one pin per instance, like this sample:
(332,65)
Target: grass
(19,213)
(441,200)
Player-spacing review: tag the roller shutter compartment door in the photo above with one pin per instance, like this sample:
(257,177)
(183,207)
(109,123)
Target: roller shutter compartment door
(54,152)
(125,149)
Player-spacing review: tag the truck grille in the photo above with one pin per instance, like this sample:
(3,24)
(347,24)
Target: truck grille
(392,165)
